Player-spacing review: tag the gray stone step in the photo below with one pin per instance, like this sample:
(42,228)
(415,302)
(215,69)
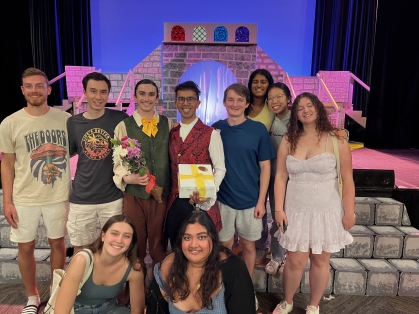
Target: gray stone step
(388,212)
(350,276)
(409,276)
(382,277)
(388,242)
(411,242)
(380,211)
(363,244)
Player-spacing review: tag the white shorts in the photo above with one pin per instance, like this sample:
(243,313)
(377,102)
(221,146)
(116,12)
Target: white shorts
(53,216)
(248,227)
(82,220)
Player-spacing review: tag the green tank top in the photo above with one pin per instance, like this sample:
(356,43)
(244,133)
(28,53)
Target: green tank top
(92,294)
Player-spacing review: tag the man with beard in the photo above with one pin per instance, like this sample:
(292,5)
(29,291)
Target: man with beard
(35,178)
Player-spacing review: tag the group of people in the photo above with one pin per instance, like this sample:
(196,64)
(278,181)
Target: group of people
(287,159)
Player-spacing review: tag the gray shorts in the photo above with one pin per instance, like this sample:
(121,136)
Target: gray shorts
(248,227)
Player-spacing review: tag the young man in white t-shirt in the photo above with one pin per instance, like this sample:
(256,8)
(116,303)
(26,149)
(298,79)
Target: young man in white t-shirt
(35,177)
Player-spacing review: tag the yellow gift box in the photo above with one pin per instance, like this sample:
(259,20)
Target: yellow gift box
(193,177)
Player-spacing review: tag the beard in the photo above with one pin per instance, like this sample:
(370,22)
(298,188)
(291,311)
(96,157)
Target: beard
(36,102)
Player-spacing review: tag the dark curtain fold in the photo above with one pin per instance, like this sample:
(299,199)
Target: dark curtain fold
(392,117)
(344,41)
(61,35)
(47,34)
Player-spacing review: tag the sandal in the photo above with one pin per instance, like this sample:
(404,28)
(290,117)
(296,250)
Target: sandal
(30,309)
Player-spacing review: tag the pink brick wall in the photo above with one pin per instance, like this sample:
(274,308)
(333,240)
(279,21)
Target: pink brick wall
(338,84)
(74,76)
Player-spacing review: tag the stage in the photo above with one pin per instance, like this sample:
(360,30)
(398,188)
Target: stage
(404,162)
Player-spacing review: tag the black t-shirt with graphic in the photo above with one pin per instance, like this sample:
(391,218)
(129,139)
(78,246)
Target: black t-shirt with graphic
(90,140)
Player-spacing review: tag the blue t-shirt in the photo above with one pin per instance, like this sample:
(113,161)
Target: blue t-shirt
(245,145)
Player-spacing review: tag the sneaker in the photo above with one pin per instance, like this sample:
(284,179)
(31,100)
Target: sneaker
(311,309)
(261,256)
(272,267)
(283,308)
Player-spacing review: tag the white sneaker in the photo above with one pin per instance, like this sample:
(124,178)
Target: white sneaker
(283,308)
(272,267)
(311,309)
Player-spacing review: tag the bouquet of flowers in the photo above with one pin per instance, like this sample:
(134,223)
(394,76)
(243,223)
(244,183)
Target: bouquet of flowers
(127,152)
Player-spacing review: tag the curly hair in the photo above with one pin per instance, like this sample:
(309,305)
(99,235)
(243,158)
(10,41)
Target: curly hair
(178,281)
(270,79)
(295,128)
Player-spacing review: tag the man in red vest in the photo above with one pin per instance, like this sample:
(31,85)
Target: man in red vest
(192,142)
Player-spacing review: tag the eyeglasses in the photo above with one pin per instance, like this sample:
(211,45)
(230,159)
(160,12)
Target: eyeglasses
(181,100)
(37,86)
(277,97)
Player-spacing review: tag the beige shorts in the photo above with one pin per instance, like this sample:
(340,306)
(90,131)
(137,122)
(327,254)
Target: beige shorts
(53,216)
(248,227)
(83,218)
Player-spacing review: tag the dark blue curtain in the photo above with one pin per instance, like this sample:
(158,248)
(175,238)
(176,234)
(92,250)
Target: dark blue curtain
(344,41)
(46,34)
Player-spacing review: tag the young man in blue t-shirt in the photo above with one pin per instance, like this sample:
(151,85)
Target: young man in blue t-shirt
(248,151)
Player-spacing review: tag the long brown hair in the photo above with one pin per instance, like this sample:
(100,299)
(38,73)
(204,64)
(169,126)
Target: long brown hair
(295,128)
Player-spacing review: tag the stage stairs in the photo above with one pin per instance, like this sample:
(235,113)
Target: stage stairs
(383,259)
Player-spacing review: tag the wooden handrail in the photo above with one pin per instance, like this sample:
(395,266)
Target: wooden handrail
(331,97)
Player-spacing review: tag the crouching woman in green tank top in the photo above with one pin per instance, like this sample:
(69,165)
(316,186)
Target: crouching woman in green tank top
(115,262)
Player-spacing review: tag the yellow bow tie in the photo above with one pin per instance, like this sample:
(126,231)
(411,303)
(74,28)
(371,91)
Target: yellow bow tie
(150,126)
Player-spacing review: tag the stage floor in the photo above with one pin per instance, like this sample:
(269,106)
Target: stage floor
(404,162)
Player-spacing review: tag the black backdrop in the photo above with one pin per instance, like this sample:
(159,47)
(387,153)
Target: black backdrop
(393,112)
(47,34)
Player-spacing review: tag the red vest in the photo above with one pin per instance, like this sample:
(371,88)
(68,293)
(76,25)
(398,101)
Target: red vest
(194,150)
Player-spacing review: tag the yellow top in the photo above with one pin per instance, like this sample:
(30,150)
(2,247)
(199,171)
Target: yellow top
(266,116)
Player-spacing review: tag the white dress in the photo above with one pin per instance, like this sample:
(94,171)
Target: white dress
(313,206)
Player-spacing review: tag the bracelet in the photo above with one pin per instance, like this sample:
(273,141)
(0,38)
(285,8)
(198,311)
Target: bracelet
(278,211)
